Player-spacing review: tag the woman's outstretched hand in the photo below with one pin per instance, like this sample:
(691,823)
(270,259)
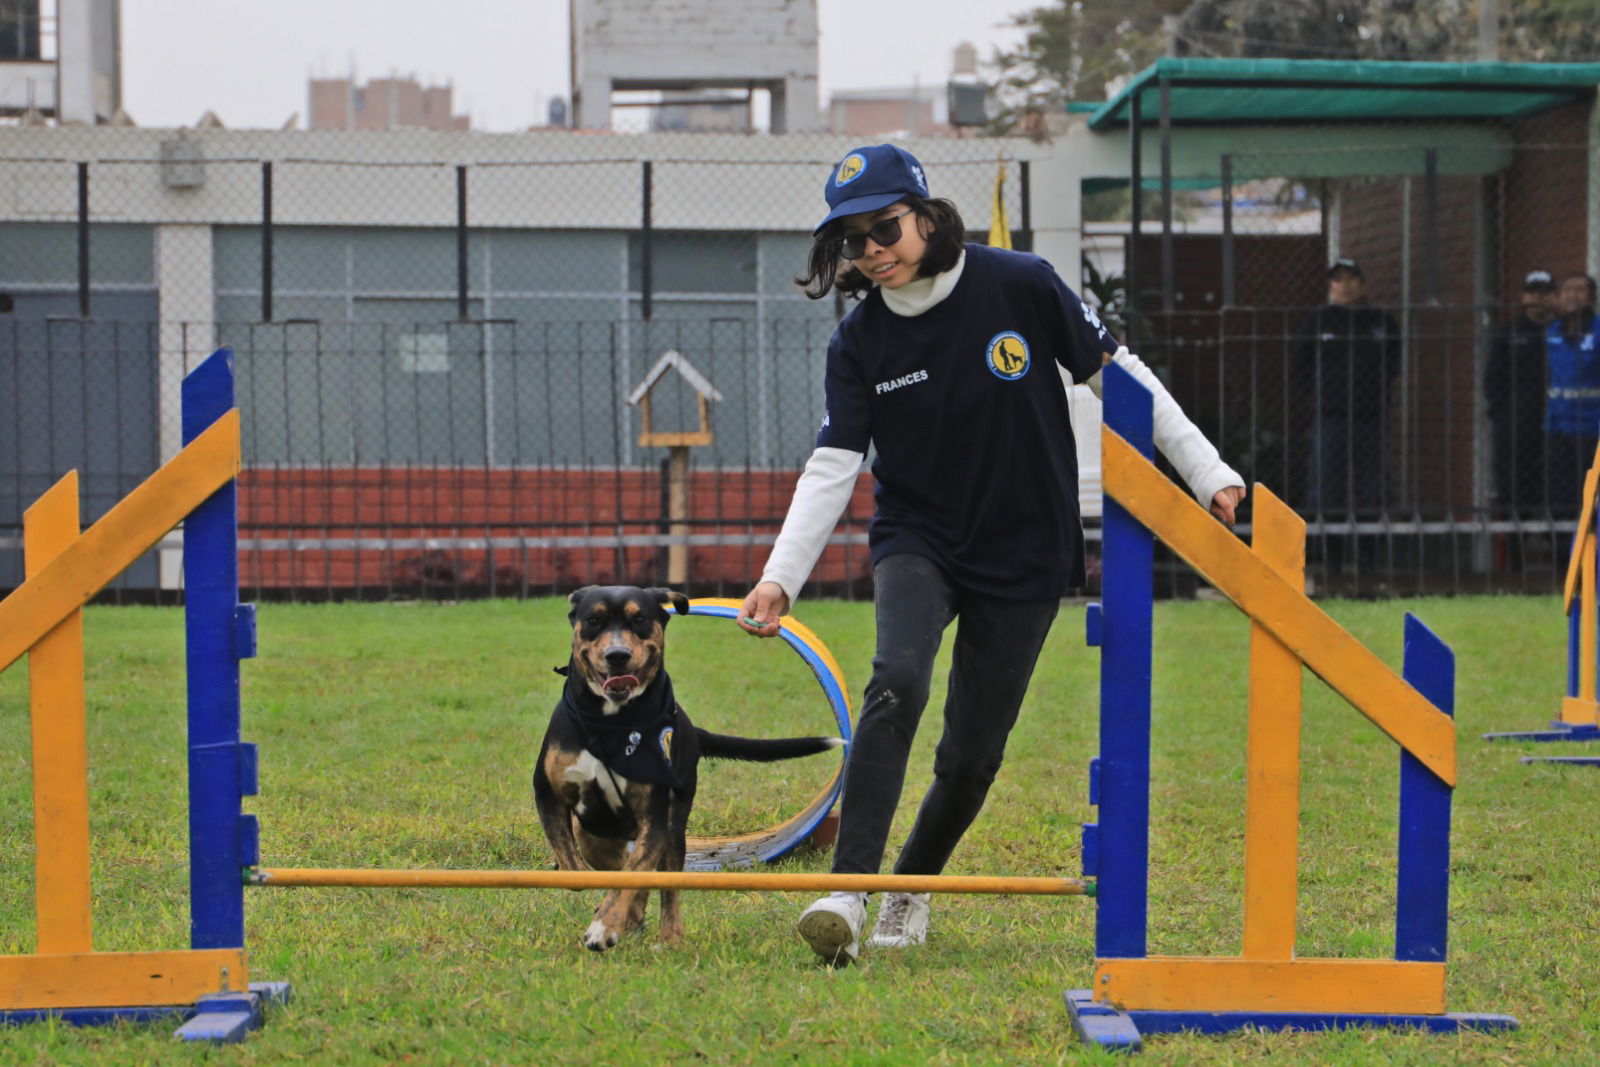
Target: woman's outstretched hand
(764,606)
(1225,503)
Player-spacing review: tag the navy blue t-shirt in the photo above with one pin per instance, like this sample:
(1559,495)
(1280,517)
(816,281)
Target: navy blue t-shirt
(976,466)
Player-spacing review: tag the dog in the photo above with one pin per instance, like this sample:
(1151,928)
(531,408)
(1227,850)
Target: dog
(615,778)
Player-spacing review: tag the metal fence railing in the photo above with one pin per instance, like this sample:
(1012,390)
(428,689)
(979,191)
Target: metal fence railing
(434,356)
(507,459)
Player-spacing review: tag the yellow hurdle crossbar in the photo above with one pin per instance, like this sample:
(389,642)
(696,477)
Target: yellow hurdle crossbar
(860,883)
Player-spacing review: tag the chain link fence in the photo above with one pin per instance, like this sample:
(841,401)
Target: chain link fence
(436,349)
(434,358)
(1398,404)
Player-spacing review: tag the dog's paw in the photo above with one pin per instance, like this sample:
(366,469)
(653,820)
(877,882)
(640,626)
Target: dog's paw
(599,936)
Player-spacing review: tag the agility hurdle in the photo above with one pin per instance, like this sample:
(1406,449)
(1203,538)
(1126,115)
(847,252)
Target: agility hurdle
(1267,985)
(1579,717)
(207,987)
(208,984)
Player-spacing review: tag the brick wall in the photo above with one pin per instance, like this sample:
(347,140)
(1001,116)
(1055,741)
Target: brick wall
(415,505)
(1544,197)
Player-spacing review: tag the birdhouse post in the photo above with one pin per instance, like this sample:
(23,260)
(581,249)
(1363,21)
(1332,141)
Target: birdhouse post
(677,444)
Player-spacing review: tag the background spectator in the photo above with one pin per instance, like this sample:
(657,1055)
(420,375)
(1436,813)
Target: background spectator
(1344,359)
(1514,382)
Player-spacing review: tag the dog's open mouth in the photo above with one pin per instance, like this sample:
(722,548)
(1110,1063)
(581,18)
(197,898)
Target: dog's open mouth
(618,686)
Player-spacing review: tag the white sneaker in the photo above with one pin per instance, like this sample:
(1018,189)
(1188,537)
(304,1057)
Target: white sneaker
(902,921)
(832,926)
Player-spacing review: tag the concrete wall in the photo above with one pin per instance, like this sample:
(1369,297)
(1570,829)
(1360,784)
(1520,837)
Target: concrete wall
(541,179)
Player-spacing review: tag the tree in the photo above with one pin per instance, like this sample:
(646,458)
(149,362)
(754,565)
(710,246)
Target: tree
(1073,48)
(1550,31)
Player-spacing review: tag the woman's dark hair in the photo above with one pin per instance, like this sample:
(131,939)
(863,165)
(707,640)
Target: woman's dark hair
(1577,323)
(826,270)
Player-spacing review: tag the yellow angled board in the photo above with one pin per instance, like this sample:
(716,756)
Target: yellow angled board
(1305,629)
(122,535)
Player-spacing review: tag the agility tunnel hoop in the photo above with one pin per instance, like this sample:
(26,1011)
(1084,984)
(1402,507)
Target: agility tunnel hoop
(1579,716)
(1266,985)
(714,853)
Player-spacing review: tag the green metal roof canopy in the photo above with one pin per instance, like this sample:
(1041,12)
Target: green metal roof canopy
(1221,91)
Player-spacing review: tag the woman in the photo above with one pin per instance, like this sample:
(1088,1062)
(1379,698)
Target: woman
(976,508)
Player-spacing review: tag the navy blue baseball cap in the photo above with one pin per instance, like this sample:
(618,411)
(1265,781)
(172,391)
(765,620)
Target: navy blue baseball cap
(870,179)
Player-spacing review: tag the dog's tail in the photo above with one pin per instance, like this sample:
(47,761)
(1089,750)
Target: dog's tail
(762,750)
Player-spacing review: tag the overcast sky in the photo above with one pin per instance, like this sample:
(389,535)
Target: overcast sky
(248,60)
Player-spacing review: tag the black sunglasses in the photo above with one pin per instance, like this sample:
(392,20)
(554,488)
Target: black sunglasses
(884,233)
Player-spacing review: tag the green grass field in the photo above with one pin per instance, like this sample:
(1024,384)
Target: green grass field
(403,735)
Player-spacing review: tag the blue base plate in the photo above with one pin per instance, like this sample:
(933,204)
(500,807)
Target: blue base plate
(1100,1024)
(1558,731)
(222,1017)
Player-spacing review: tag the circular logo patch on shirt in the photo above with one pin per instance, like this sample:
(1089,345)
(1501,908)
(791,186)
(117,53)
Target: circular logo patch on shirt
(850,168)
(1008,355)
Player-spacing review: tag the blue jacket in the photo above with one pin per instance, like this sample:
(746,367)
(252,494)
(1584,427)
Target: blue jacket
(1572,401)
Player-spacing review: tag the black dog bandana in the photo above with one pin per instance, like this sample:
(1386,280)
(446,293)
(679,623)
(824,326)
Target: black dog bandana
(639,741)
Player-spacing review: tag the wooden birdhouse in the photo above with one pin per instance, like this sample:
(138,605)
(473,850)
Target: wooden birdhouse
(704,391)
(677,443)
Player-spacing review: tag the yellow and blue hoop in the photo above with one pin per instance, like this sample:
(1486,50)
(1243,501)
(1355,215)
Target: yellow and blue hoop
(714,853)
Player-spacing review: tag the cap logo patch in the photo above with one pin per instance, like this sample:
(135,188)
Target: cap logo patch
(1008,356)
(850,168)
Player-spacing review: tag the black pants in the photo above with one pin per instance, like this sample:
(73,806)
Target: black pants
(997,644)
(1570,455)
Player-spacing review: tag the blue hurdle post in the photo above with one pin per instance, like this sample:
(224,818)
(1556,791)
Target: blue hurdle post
(1122,781)
(221,769)
(1422,905)
(223,841)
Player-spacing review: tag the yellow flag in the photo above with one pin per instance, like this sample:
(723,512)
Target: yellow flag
(999,228)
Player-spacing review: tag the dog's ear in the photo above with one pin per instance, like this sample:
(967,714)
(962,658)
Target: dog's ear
(679,602)
(574,598)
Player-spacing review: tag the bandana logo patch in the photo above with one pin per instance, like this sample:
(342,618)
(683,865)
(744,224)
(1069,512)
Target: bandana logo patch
(1008,356)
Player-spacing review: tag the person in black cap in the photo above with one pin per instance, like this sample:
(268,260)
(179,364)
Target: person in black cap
(1344,360)
(1514,378)
(949,368)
